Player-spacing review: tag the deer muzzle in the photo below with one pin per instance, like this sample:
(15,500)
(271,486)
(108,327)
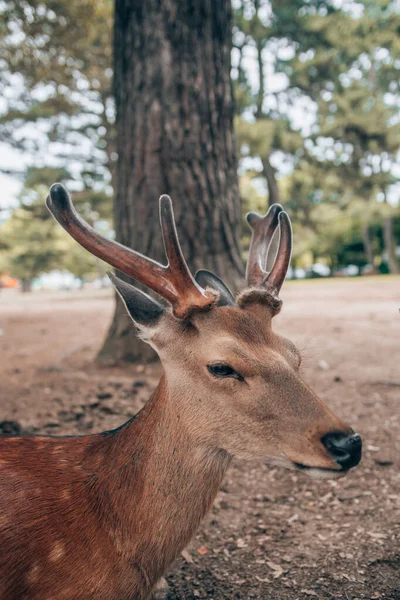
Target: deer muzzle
(345,449)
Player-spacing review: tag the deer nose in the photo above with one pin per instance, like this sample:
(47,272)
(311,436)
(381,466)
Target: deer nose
(344,449)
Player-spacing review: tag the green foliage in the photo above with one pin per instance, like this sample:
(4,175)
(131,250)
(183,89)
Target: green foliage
(56,82)
(56,77)
(30,240)
(33,243)
(341,60)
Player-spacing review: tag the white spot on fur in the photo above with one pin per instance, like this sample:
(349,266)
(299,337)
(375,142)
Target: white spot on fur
(33,574)
(56,552)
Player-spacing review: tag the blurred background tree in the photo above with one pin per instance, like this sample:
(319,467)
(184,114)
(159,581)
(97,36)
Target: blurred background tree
(34,244)
(317,125)
(30,241)
(56,84)
(317,104)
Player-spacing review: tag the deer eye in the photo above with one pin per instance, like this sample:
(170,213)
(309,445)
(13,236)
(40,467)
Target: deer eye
(222,370)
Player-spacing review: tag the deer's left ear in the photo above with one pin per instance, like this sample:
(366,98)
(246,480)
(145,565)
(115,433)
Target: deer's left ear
(207,279)
(144,311)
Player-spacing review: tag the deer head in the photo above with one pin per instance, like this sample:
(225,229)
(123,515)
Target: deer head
(234,381)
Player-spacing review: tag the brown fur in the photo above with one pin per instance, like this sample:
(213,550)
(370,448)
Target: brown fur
(103,516)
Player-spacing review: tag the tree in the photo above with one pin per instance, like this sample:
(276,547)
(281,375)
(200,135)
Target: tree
(30,248)
(268,39)
(259,134)
(56,87)
(352,78)
(341,59)
(33,243)
(174,112)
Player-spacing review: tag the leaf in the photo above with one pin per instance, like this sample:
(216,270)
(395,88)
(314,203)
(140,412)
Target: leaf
(278,570)
(377,536)
(263,580)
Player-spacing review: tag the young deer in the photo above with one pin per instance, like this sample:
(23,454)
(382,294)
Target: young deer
(102,516)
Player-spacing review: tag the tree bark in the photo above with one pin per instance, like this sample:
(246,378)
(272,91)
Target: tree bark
(273,198)
(269,174)
(174,135)
(390,245)
(367,245)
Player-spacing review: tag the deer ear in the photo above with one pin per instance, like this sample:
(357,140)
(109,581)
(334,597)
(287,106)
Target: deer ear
(207,279)
(142,309)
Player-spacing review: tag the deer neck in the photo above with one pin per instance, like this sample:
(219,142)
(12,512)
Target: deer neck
(159,482)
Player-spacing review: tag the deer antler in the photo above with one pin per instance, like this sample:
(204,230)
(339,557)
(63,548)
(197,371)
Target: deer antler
(173,282)
(263,229)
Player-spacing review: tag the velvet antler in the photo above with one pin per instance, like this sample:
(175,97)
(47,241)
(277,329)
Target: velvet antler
(173,282)
(263,229)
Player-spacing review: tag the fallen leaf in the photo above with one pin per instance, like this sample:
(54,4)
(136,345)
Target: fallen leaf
(323,365)
(277,569)
(377,536)
(372,448)
(263,580)
(202,550)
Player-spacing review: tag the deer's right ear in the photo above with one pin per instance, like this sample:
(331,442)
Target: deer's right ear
(207,279)
(143,310)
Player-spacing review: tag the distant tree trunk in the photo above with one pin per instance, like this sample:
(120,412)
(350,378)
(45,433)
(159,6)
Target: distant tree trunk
(390,245)
(261,88)
(26,286)
(367,245)
(174,135)
(273,198)
(269,174)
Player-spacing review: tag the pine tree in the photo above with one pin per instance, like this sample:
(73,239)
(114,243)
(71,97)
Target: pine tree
(33,243)
(341,60)
(56,85)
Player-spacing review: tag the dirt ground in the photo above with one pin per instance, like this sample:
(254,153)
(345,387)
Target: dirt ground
(272,534)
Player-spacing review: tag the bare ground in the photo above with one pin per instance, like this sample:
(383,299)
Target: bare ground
(272,534)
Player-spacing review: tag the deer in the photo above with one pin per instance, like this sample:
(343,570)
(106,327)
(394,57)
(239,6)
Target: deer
(103,516)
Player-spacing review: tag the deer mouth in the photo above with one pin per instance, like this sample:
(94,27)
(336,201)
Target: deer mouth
(314,472)
(320,472)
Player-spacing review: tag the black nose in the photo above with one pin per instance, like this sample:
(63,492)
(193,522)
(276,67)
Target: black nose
(344,449)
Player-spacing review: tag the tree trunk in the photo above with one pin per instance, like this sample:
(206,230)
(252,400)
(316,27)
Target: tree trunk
(367,245)
(273,198)
(269,174)
(174,135)
(26,286)
(390,245)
